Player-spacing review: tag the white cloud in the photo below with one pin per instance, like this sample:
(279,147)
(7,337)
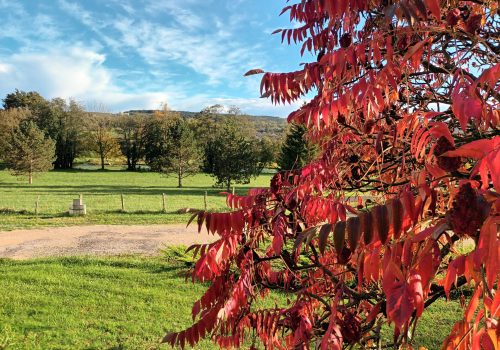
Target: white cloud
(213,55)
(77,73)
(18,25)
(95,24)
(59,62)
(179,11)
(71,72)
(184,41)
(4,68)
(80,73)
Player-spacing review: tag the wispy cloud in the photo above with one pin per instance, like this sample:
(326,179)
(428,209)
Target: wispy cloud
(18,25)
(179,11)
(94,23)
(132,55)
(213,56)
(81,74)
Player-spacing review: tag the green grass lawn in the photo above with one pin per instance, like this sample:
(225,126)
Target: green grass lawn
(121,303)
(115,302)
(101,192)
(85,303)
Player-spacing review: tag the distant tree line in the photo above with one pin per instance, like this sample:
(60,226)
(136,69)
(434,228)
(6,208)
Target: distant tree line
(38,134)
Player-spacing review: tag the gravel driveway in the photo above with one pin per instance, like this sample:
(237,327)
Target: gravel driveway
(97,240)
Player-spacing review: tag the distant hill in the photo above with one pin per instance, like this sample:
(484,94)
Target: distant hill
(264,125)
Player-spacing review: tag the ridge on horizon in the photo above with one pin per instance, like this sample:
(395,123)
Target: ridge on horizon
(191,113)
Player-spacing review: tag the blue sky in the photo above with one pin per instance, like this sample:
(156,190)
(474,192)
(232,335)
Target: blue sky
(134,54)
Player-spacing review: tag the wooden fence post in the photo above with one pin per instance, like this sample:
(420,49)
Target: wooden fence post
(123,202)
(163,203)
(233,190)
(37,204)
(205,200)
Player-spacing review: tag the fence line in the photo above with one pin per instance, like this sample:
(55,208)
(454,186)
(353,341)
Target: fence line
(53,204)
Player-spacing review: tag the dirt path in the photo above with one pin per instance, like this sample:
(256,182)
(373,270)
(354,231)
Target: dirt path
(96,240)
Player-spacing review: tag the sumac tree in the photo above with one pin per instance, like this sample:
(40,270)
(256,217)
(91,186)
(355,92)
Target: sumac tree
(405,111)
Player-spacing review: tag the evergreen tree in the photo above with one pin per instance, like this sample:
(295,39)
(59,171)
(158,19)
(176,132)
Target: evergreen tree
(171,146)
(10,119)
(295,152)
(205,127)
(29,151)
(183,157)
(236,156)
(59,120)
(269,150)
(21,99)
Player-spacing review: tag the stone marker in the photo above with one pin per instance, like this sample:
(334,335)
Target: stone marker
(78,208)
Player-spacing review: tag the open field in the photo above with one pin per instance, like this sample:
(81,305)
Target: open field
(102,192)
(121,303)
(124,302)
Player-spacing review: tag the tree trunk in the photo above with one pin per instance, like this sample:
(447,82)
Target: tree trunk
(228,185)
(30,173)
(129,163)
(179,177)
(102,162)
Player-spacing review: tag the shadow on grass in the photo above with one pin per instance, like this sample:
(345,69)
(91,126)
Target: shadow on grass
(32,215)
(156,265)
(9,211)
(98,190)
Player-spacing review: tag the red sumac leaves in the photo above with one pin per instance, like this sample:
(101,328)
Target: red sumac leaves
(339,236)
(324,232)
(469,211)
(254,71)
(353,227)
(380,217)
(395,213)
(367,226)
(403,110)
(446,163)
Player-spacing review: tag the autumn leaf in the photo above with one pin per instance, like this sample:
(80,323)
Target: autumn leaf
(253,72)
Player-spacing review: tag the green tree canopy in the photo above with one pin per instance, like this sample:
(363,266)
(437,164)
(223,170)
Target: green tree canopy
(236,155)
(29,151)
(10,120)
(171,146)
(22,99)
(131,132)
(296,151)
(269,150)
(100,137)
(67,129)
(60,120)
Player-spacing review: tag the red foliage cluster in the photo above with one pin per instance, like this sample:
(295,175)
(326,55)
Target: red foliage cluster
(448,164)
(405,112)
(468,212)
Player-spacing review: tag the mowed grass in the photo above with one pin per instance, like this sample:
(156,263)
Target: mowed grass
(86,303)
(102,190)
(123,303)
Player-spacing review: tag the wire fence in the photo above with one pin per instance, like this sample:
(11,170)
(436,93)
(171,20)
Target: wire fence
(164,202)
